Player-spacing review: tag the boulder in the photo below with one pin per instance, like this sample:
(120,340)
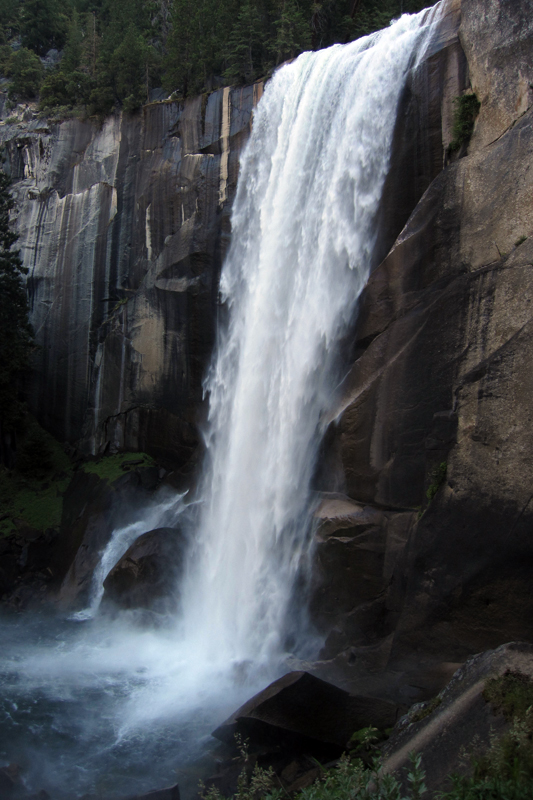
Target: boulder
(305,713)
(148,573)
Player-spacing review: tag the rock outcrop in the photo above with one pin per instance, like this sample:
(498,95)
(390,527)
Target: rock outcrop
(459,722)
(147,576)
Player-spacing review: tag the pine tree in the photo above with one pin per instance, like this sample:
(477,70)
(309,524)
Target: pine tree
(246,45)
(44,25)
(26,72)
(293,32)
(16,335)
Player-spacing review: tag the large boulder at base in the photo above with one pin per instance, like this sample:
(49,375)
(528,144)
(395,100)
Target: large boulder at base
(457,719)
(299,710)
(148,573)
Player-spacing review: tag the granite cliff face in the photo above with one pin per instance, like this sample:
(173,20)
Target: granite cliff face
(443,378)
(123,227)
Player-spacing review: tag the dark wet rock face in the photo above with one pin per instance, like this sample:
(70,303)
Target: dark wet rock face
(147,576)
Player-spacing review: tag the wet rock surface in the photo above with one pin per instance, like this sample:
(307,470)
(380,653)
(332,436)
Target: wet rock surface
(147,576)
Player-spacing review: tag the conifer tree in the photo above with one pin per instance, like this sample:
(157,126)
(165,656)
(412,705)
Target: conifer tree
(293,32)
(246,45)
(44,25)
(26,72)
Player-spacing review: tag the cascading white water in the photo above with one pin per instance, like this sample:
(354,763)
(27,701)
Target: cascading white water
(304,232)
(303,237)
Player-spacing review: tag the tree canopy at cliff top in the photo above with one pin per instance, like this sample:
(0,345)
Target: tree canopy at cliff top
(115,51)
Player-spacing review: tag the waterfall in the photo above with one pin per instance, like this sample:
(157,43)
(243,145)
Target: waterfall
(304,230)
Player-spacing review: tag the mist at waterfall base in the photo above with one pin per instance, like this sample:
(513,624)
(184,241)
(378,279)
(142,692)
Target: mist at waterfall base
(94,704)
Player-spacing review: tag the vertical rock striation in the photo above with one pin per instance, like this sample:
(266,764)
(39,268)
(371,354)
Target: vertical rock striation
(123,227)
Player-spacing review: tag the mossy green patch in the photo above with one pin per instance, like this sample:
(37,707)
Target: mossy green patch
(110,468)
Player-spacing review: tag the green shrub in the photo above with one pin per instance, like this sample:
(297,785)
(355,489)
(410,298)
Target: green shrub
(466,110)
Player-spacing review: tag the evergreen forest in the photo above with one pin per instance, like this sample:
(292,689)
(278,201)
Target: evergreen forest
(90,56)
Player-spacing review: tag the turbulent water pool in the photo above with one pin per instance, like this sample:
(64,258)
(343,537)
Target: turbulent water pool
(101,707)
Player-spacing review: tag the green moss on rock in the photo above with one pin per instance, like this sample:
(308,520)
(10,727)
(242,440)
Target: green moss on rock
(111,468)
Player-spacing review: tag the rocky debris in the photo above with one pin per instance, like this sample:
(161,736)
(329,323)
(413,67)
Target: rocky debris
(458,719)
(147,575)
(300,712)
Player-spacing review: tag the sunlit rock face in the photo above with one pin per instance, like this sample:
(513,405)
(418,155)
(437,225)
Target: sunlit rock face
(123,227)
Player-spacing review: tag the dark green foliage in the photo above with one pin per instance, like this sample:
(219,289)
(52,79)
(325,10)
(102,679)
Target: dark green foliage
(61,88)
(293,32)
(468,788)
(26,73)
(44,25)
(16,336)
(466,110)
(132,65)
(115,51)
(245,51)
(35,455)
(511,694)
(507,766)
(33,490)
(9,20)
